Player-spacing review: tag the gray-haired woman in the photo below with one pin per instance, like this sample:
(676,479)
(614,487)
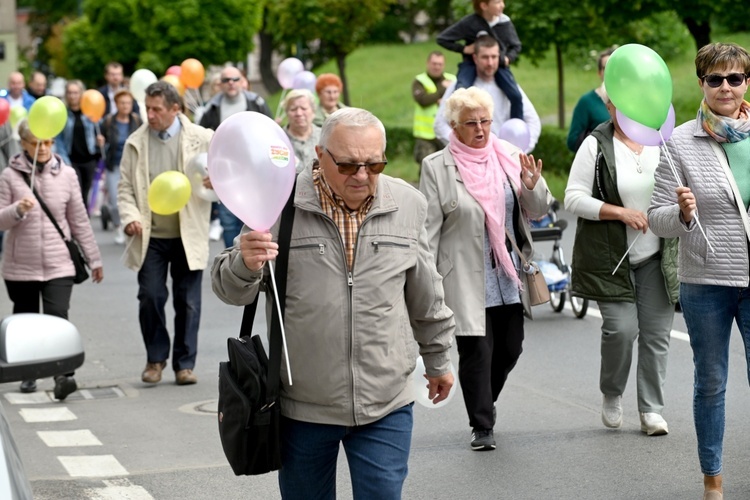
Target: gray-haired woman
(299,106)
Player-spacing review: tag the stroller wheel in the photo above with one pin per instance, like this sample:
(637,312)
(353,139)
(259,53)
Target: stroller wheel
(106,217)
(557,301)
(579,306)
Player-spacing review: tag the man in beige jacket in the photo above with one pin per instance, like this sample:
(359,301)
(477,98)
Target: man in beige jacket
(362,286)
(158,244)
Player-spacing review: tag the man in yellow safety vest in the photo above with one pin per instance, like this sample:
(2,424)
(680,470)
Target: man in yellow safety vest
(427,89)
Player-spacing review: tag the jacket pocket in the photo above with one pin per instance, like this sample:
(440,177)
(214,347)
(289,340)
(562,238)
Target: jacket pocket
(320,247)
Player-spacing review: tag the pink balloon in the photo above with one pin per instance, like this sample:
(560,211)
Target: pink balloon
(516,132)
(174,70)
(287,70)
(305,80)
(644,135)
(251,165)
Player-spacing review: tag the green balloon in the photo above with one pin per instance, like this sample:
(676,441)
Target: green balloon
(639,84)
(17,113)
(47,117)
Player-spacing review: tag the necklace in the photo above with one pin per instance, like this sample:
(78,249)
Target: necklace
(636,152)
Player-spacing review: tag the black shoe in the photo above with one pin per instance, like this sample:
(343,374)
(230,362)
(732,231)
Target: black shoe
(28,386)
(482,440)
(64,386)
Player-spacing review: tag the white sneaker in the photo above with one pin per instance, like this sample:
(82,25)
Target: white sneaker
(215,230)
(119,236)
(612,411)
(653,424)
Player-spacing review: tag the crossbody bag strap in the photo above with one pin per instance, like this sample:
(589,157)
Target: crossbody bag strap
(515,248)
(44,207)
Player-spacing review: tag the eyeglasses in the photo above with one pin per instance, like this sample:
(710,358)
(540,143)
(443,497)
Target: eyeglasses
(347,168)
(233,79)
(715,81)
(476,123)
(47,143)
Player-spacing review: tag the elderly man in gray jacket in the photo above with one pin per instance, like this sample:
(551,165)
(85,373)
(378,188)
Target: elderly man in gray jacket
(362,285)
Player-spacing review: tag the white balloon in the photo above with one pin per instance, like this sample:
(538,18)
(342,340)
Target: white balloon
(421,391)
(139,80)
(196,170)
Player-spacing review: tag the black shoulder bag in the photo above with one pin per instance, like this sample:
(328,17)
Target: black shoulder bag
(76,255)
(249,411)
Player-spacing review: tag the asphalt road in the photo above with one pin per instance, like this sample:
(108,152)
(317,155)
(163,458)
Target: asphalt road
(119,438)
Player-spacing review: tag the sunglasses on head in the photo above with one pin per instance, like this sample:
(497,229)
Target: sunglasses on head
(233,79)
(734,79)
(348,168)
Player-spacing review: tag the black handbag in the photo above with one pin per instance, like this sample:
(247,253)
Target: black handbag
(76,255)
(248,411)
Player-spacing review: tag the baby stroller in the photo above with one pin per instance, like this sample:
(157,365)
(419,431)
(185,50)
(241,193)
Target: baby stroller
(556,272)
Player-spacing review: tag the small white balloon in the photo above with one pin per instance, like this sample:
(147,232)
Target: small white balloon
(421,390)
(196,170)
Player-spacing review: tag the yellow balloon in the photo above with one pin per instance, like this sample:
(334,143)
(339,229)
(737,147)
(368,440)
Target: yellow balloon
(47,117)
(176,83)
(17,113)
(169,192)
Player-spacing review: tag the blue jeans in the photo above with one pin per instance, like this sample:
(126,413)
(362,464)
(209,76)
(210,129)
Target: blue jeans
(163,255)
(709,311)
(377,454)
(467,73)
(231,223)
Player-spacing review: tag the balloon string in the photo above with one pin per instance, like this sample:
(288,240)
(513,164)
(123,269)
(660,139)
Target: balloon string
(668,155)
(190,102)
(98,133)
(626,253)
(33,165)
(281,323)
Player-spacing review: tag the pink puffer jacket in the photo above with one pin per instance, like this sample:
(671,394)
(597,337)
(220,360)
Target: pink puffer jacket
(34,250)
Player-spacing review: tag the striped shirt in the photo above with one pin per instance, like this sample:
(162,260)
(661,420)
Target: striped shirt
(348,221)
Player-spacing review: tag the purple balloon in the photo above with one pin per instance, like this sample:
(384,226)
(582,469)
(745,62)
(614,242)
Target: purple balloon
(251,165)
(287,70)
(516,132)
(305,80)
(644,135)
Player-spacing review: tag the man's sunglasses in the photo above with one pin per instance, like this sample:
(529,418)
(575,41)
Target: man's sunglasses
(227,80)
(715,81)
(346,168)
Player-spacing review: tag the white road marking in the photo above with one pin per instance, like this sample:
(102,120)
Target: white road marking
(675,334)
(55,439)
(85,394)
(93,466)
(119,489)
(33,415)
(35,398)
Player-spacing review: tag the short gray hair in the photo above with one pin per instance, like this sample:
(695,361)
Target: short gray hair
(349,118)
(166,90)
(295,94)
(24,131)
(471,98)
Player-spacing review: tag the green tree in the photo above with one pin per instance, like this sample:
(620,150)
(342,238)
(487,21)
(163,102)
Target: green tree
(337,26)
(153,34)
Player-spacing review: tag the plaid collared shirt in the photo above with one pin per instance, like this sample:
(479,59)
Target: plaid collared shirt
(348,221)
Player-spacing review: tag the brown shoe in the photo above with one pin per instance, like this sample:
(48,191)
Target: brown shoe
(185,377)
(152,373)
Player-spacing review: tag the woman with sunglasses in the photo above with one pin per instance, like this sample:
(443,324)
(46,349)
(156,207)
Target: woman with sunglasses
(701,195)
(36,261)
(480,193)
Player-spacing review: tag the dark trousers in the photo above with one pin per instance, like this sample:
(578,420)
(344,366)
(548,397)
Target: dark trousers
(485,362)
(86,172)
(467,73)
(165,255)
(55,297)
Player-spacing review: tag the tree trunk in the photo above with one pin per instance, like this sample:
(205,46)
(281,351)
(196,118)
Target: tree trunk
(700,30)
(560,87)
(267,75)
(341,62)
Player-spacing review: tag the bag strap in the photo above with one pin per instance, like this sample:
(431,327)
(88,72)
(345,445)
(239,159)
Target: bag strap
(518,252)
(44,206)
(248,317)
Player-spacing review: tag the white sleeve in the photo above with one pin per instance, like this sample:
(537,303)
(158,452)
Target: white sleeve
(578,193)
(531,117)
(442,127)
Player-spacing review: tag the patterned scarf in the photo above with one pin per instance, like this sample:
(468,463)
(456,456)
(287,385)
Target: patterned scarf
(723,128)
(485,172)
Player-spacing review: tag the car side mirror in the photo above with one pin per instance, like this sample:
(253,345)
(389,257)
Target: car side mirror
(36,346)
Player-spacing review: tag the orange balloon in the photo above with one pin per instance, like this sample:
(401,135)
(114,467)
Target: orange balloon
(176,83)
(92,105)
(192,73)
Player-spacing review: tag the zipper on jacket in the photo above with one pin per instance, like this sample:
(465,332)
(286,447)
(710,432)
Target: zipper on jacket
(320,246)
(378,244)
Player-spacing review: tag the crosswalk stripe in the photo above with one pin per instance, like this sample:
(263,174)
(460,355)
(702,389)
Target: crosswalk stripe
(92,466)
(118,489)
(56,439)
(35,398)
(33,415)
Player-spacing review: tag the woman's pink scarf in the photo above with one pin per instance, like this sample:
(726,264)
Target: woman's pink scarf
(485,172)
